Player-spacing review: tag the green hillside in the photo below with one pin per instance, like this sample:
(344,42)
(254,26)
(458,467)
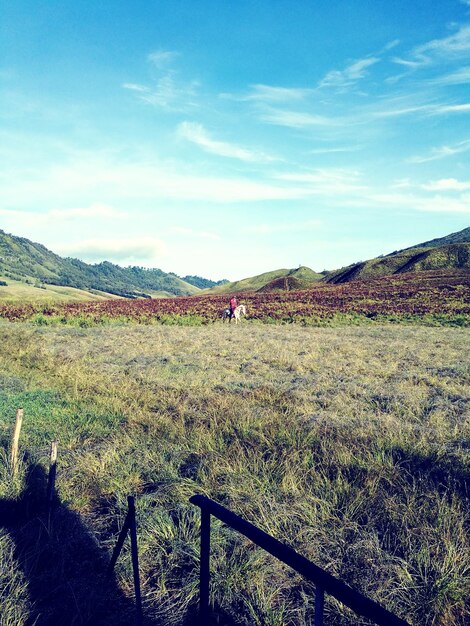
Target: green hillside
(303,276)
(300,278)
(418,259)
(23,261)
(461,236)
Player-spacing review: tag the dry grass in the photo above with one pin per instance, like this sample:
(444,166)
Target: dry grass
(347,443)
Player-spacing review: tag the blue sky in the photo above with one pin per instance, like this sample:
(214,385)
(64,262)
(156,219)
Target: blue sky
(228,138)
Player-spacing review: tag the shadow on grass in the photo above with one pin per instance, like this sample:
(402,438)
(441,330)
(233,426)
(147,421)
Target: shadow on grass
(64,566)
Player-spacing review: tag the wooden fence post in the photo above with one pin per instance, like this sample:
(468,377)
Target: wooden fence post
(135,559)
(52,474)
(15,441)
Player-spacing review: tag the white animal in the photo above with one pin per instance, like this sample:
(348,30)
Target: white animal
(241,308)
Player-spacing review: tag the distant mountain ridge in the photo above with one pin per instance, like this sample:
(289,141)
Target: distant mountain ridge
(29,262)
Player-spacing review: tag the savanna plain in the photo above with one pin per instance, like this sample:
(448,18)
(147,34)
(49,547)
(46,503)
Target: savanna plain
(348,443)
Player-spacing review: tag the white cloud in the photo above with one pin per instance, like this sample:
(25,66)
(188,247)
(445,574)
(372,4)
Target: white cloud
(447,184)
(459,77)
(450,108)
(395,109)
(119,250)
(406,110)
(455,46)
(169,93)
(197,134)
(441,152)
(333,150)
(161,58)
(415,202)
(350,75)
(329,181)
(131,182)
(295,119)
(268,93)
(135,87)
(94,211)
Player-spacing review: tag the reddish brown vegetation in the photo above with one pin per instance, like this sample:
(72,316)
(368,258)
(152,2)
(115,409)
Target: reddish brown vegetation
(406,294)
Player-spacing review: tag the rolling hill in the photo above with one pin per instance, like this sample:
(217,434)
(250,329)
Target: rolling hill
(24,262)
(462,236)
(297,278)
(423,257)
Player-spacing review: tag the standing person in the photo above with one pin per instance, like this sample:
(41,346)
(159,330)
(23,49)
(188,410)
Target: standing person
(233,306)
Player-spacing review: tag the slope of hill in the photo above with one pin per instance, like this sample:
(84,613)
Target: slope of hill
(301,275)
(461,236)
(418,259)
(13,291)
(25,261)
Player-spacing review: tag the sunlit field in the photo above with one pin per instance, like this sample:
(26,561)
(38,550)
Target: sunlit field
(349,443)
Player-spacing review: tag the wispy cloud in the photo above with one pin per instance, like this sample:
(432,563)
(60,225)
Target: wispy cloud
(329,181)
(269,93)
(451,108)
(415,202)
(123,182)
(135,87)
(172,94)
(429,109)
(197,134)
(169,91)
(94,211)
(447,184)
(295,119)
(350,75)
(459,77)
(441,152)
(333,150)
(162,58)
(454,46)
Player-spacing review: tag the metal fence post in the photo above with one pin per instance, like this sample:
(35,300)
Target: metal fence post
(204,565)
(135,559)
(319,605)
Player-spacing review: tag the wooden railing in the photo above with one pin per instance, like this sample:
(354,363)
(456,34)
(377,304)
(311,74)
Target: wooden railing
(324,582)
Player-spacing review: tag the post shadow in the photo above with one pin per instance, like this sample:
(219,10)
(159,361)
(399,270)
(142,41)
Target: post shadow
(62,562)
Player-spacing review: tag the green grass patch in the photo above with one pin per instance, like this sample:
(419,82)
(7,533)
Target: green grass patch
(50,415)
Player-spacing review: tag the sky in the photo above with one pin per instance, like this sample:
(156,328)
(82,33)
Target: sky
(228,138)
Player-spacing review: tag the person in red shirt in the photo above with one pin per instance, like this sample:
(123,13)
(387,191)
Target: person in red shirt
(233,305)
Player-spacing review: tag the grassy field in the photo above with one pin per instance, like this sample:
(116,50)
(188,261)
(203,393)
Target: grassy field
(348,443)
(18,292)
